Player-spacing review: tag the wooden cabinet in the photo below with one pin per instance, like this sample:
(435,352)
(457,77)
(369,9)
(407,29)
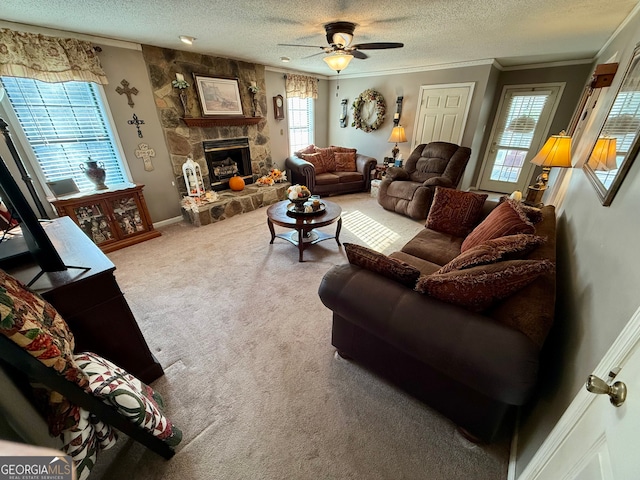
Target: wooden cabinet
(90,301)
(113,218)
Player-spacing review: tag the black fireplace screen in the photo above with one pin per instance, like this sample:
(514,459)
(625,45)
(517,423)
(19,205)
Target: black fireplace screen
(226,158)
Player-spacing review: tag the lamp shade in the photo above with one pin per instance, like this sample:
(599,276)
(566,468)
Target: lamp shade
(338,60)
(397,135)
(604,154)
(556,152)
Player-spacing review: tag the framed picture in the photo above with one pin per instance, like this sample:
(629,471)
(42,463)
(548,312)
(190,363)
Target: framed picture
(218,95)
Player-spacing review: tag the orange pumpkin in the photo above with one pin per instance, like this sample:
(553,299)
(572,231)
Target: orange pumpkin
(236,183)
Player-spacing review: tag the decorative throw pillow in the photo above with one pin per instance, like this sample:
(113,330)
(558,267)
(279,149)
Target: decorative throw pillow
(342,149)
(506,219)
(345,162)
(133,399)
(35,325)
(534,215)
(455,212)
(377,262)
(328,161)
(316,160)
(310,149)
(479,287)
(509,247)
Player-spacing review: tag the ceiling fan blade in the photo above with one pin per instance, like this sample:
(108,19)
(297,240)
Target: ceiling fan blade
(378,45)
(358,54)
(313,55)
(296,45)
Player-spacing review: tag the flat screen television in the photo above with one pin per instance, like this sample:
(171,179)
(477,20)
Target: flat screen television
(38,243)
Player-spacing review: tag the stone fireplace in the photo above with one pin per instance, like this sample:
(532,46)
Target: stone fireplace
(225,158)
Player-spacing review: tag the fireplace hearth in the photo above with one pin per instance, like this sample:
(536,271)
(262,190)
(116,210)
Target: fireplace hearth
(225,158)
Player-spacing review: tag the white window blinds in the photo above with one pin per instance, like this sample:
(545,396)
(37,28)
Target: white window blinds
(524,111)
(65,124)
(300,115)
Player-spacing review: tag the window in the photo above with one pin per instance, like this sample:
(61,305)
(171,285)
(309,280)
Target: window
(514,141)
(65,124)
(300,123)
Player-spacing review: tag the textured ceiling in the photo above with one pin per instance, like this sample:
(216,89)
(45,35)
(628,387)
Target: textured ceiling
(435,32)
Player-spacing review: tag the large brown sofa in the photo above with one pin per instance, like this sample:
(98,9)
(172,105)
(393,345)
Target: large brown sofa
(472,366)
(323,175)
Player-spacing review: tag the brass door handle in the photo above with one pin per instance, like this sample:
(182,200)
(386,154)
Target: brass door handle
(617,392)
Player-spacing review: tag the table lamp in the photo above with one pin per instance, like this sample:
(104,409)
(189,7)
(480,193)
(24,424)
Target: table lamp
(556,152)
(397,136)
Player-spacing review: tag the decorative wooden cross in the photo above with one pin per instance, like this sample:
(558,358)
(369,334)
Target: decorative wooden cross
(137,123)
(144,152)
(127,91)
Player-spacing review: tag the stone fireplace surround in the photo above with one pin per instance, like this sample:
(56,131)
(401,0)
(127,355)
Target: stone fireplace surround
(183,140)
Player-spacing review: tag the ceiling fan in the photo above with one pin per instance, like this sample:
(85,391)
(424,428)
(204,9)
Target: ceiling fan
(341,52)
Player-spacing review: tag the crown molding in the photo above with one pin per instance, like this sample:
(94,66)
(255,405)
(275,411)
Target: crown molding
(623,25)
(531,66)
(424,68)
(23,27)
(271,68)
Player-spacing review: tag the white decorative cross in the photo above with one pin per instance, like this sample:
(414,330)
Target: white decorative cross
(144,152)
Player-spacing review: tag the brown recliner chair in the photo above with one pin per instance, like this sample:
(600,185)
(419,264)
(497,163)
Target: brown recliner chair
(409,190)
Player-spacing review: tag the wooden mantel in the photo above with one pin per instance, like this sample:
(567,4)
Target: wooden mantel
(220,121)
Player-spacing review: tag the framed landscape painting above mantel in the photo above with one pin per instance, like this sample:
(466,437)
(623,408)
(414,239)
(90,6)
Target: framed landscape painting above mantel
(218,95)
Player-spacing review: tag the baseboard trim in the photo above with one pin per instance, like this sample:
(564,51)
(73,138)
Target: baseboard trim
(616,356)
(168,221)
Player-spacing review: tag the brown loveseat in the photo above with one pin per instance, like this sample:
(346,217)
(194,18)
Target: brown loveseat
(332,170)
(409,190)
(473,363)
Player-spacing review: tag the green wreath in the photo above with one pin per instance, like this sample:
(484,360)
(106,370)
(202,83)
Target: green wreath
(368,95)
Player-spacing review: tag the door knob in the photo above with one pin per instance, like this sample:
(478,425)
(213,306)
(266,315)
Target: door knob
(617,392)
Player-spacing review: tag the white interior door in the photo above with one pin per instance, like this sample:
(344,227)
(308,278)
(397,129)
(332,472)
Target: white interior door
(601,442)
(519,131)
(442,113)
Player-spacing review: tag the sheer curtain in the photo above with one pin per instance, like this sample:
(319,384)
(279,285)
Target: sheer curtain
(301,86)
(49,59)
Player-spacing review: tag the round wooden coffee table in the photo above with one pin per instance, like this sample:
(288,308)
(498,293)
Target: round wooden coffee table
(303,225)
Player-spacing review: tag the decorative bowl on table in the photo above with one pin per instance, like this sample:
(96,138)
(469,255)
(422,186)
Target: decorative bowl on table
(298,195)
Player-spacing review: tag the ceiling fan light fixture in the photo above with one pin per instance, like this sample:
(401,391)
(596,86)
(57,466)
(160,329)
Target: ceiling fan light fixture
(338,61)
(187,39)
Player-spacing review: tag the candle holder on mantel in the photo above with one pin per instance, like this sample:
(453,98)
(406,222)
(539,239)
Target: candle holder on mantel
(254,89)
(181,84)
(193,178)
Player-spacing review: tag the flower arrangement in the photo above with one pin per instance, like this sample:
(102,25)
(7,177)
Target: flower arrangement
(295,192)
(278,175)
(253,88)
(274,176)
(181,84)
(368,95)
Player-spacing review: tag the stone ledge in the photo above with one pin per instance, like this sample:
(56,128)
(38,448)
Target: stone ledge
(230,203)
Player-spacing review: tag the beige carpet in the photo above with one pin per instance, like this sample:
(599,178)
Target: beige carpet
(250,373)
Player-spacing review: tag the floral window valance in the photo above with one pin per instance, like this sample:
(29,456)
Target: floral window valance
(49,59)
(301,86)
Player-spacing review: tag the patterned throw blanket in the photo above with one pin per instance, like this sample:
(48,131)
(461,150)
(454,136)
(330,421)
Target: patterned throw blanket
(35,325)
